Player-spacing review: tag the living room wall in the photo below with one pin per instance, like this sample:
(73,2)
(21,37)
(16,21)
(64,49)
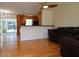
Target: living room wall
(47,18)
(66,15)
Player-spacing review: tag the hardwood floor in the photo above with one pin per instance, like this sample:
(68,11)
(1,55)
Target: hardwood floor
(29,48)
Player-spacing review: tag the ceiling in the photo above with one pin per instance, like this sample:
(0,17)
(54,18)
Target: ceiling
(23,7)
(26,7)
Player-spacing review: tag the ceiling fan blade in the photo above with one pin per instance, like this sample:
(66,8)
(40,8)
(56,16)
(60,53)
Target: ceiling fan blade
(41,4)
(41,8)
(52,6)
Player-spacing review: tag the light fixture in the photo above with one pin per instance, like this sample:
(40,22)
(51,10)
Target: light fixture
(45,6)
(29,14)
(5,11)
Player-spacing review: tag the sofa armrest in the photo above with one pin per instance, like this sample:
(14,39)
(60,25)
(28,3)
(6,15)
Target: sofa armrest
(69,46)
(53,35)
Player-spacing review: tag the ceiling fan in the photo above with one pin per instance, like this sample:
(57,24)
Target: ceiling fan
(45,5)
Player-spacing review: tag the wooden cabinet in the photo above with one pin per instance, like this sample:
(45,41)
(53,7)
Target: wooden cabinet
(18,25)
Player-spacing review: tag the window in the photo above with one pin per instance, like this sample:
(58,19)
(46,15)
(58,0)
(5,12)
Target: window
(29,21)
(11,25)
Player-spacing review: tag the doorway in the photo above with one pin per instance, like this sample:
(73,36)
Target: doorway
(8,29)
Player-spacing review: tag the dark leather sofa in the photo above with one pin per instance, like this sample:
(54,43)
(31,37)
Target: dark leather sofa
(56,34)
(69,46)
(68,38)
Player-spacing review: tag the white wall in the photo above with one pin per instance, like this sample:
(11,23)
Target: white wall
(47,17)
(34,32)
(66,15)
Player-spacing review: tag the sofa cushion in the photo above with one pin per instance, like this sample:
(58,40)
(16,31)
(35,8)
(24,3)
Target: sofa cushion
(75,31)
(65,30)
(76,37)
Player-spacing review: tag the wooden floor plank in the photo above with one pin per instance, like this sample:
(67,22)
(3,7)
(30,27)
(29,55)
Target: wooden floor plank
(29,48)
